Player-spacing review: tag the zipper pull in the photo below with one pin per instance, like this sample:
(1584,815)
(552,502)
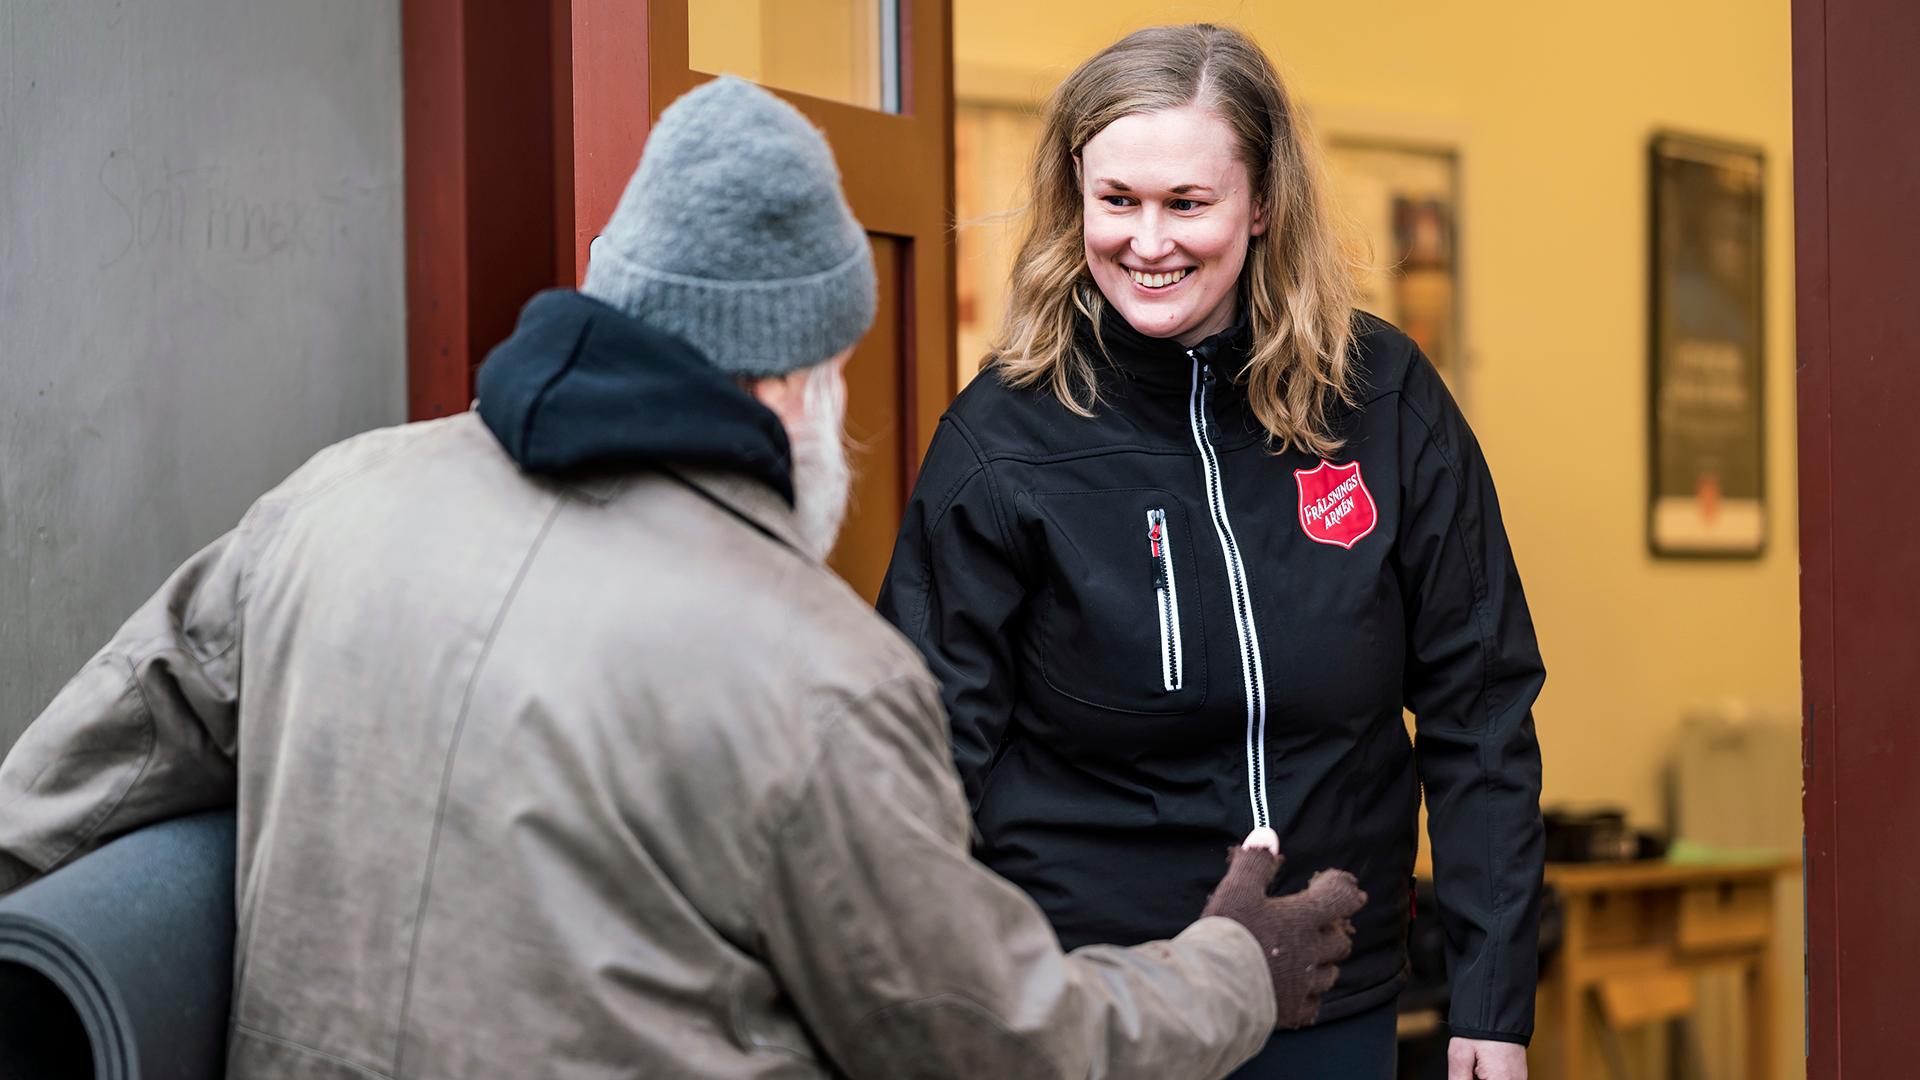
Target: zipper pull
(1156,526)
(1206,397)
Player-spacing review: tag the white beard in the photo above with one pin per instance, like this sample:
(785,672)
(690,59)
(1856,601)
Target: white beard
(822,475)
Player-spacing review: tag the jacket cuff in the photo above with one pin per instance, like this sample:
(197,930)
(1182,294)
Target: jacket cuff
(1490,1036)
(13,873)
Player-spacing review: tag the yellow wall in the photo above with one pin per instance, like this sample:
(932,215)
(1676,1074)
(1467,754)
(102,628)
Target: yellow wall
(1551,107)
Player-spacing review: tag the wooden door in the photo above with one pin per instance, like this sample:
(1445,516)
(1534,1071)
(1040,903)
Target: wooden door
(618,63)
(1856,175)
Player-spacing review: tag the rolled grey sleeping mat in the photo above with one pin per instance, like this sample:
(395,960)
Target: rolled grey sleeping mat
(119,965)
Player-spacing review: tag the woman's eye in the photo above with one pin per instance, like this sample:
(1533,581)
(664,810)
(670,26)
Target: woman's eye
(1116,200)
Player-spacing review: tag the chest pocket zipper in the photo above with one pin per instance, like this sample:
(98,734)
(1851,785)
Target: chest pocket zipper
(1166,597)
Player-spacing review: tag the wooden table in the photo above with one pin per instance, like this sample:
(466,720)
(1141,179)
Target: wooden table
(1635,937)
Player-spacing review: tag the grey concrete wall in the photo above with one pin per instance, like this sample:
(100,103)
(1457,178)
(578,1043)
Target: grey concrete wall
(201,283)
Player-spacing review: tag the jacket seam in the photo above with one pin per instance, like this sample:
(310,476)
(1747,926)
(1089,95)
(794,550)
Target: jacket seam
(926,562)
(1088,452)
(256,1033)
(446,775)
(1474,569)
(1023,568)
(1492,978)
(742,516)
(952,494)
(106,810)
(993,490)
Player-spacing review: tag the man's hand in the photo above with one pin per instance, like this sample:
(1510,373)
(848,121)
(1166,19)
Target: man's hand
(1486,1059)
(1305,935)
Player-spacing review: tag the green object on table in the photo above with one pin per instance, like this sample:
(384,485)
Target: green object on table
(1694,853)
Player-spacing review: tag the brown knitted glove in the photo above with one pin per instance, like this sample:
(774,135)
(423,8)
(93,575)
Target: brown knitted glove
(1304,935)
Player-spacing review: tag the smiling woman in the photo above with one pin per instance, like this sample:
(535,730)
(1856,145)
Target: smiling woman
(1168,212)
(1184,125)
(1193,539)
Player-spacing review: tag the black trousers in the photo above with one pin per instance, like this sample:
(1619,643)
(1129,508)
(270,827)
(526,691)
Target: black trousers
(1359,1047)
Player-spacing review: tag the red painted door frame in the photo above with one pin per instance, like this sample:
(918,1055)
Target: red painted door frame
(482,132)
(1856,177)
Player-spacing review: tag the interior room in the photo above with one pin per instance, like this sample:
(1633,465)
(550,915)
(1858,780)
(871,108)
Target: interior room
(1497,158)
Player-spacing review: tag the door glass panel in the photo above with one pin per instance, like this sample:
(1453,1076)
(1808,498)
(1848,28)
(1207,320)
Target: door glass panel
(840,50)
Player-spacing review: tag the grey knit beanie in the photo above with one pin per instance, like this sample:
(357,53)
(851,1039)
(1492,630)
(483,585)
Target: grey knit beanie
(733,234)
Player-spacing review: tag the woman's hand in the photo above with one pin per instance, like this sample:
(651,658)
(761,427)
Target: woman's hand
(1486,1059)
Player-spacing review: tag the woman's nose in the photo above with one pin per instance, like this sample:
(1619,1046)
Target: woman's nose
(1150,241)
(1151,247)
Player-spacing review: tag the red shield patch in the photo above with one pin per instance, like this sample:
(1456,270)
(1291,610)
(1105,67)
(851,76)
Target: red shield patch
(1335,505)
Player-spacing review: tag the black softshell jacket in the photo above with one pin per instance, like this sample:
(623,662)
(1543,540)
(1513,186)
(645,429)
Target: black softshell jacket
(1154,633)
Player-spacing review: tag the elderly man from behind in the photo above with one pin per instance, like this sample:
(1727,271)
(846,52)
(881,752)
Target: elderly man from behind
(557,749)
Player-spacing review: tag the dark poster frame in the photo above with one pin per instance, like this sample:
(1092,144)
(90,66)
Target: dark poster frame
(1706,348)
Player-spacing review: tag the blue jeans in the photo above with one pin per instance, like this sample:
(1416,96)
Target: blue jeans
(1358,1047)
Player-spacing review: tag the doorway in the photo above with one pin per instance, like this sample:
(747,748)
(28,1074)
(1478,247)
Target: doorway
(551,152)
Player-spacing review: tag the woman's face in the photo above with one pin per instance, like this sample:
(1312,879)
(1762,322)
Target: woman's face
(1168,210)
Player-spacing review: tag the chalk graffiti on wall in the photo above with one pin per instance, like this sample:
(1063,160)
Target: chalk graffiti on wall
(211,210)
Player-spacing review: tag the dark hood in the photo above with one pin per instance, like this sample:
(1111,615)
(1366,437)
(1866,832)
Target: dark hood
(584,388)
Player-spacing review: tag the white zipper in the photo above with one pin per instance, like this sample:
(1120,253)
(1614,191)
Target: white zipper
(1250,667)
(1166,596)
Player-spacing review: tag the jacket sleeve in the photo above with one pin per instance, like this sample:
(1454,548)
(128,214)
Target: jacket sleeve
(906,958)
(146,731)
(953,589)
(1473,672)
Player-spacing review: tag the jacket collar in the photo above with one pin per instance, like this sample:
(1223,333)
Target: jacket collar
(582,388)
(1163,364)
(754,503)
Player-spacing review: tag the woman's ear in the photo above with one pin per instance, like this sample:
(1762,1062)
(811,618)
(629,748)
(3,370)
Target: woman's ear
(1259,218)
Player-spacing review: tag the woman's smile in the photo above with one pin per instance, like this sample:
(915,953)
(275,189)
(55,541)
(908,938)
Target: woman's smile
(1158,281)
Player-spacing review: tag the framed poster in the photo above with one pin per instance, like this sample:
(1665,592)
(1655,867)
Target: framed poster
(1707,482)
(1404,198)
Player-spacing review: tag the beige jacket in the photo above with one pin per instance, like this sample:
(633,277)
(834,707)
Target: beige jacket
(604,780)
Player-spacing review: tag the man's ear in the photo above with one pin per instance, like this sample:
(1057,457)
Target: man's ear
(784,394)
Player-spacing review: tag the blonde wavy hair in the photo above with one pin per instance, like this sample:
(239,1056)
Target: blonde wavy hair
(1298,286)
